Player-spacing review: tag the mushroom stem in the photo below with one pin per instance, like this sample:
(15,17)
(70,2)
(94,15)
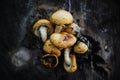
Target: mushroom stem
(59,28)
(73,66)
(67,56)
(43,33)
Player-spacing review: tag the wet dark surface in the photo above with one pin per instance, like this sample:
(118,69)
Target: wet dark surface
(100,18)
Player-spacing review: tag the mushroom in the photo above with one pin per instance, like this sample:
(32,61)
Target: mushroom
(67,56)
(61,18)
(51,49)
(59,28)
(42,28)
(80,48)
(70,64)
(49,60)
(63,39)
(72,29)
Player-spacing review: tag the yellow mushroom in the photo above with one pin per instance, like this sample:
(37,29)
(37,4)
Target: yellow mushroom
(72,67)
(51,49)
(60,18)
(72,29)
(42,28)
(80,48)
(63,39)
(49,60)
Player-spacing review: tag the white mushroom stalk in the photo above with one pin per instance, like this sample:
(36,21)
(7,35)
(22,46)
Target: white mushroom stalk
(70,64)
(67,58)
(42,28)
(59,28)
(43,33)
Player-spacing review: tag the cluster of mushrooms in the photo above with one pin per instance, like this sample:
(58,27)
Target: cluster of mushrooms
(60,33)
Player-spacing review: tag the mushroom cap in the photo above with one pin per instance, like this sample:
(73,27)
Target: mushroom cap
(72,28)
(51,49)
(61,17)
(73,66)
(80,48)
(62,39)
(42,22)
(50,60)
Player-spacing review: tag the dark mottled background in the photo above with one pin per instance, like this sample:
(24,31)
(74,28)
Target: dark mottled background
(101,20)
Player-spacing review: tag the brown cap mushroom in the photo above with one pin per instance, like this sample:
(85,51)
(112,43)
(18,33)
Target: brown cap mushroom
(49,60)
(42,28)
(60,18)
(72,29)
(80,48)
(62,39)
(72,67)
(51,49)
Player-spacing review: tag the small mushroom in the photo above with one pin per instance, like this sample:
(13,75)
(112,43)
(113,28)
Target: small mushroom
(61,18)
(72,29)
(49,60)
(63,39)
(51,49)
(70,64)
(42,28)
(80,48)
